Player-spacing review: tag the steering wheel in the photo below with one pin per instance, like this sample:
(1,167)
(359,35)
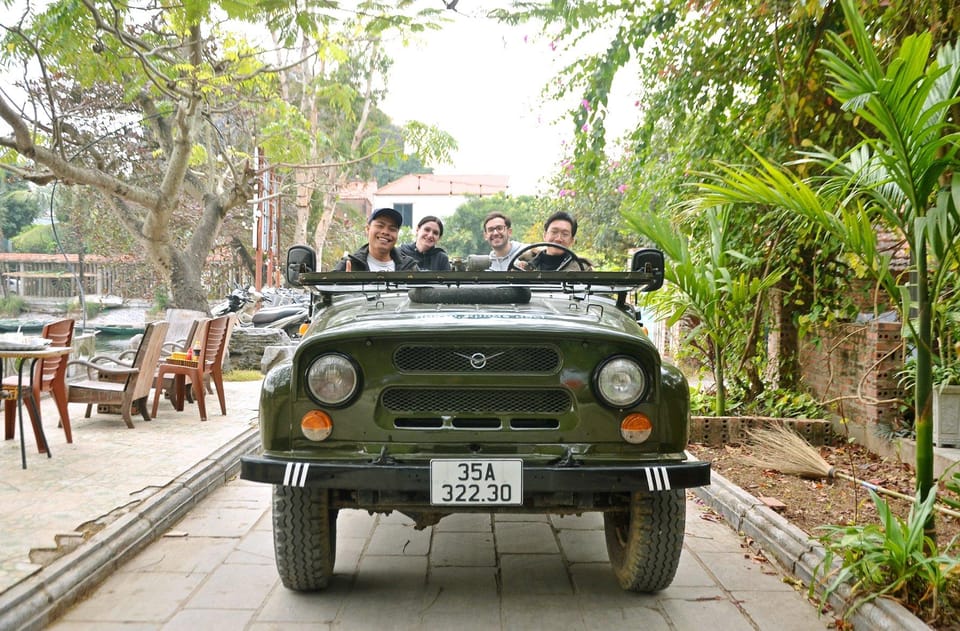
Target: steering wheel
(570,256)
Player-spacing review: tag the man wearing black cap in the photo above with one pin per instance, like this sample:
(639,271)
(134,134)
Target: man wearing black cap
(379,254)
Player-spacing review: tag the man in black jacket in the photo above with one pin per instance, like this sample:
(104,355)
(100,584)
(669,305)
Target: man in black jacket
(560,228)
(379,254)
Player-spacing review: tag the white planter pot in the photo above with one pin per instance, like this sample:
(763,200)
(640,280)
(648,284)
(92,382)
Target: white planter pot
(946,416)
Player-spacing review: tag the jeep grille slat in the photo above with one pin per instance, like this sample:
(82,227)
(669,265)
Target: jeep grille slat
(476,400)
(477,359)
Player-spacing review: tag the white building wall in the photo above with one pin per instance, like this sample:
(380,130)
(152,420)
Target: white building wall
(438,205)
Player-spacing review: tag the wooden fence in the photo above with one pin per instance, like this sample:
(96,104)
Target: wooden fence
(52,276)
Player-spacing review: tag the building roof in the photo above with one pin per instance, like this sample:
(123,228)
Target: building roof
(439,184)
(357,190)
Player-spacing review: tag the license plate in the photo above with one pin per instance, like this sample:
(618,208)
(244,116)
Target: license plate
(472,482)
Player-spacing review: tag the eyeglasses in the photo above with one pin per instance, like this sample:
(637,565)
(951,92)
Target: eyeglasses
(563,234)
(492,229)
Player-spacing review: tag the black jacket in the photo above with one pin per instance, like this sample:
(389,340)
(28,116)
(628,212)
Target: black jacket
(358,261)
(548,263)
(434,259)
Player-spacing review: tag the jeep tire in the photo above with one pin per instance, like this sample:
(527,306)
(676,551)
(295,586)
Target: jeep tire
(644,542)
(304,537)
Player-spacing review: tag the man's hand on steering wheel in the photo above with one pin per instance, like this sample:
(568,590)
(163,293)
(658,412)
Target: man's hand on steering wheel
(569,256)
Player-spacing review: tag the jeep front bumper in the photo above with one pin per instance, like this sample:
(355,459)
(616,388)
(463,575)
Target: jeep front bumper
(537,478)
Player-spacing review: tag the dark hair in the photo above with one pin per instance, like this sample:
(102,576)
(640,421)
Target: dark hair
(436,220)
(561,215)
(495,215)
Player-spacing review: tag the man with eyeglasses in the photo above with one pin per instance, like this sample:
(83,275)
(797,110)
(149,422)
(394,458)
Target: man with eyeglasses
(560,228)
(497,232)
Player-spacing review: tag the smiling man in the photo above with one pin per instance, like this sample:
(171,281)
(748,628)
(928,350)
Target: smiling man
(497,232)
(379,254)
(560,228)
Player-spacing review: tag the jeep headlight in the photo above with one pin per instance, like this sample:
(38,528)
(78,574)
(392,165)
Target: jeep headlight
(332,379)
(620,382)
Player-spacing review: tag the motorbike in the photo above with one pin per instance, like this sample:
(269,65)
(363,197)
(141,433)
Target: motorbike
(287,310)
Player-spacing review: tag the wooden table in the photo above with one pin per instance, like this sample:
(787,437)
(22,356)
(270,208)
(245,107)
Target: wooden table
(33,355)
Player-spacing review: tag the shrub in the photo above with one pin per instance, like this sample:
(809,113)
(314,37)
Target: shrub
(894,559)
(12,305)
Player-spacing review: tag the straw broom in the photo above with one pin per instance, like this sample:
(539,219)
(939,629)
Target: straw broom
(781,449)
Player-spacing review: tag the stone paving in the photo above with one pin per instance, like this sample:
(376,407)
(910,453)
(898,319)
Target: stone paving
(107,471)
(215,569)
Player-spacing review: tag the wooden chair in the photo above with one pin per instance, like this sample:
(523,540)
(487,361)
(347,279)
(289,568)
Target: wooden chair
(49,375)
(178,375)
(112,381)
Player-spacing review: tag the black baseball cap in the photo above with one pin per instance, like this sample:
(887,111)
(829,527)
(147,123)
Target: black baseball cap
(388,212)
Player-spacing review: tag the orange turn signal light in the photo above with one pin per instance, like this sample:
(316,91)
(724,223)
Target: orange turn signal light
(636,428)
(303,328)
(316,425)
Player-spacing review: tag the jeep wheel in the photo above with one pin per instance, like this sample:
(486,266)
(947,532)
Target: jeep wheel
(304,537)
(644,542)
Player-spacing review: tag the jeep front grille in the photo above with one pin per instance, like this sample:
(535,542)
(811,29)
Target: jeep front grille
(477,359)
(485,401)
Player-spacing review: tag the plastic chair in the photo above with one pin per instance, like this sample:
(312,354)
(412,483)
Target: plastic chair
(178,374)
(115,382)
(49,375)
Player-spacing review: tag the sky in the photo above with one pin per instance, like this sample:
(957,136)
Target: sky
(481,82)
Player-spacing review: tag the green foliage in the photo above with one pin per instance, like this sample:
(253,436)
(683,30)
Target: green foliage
(38,238)
(771,401)
(717,293)
(19,205)
(782,403)
(12,305)
(161,299)
(715,79)
(900,177)
(894,559)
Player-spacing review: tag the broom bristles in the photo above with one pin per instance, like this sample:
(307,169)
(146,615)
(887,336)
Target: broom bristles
(781,449)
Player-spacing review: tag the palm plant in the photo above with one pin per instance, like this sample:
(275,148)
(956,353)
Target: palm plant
(716,290)
(899,177)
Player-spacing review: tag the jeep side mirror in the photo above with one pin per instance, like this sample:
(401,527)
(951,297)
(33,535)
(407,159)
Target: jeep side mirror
(301,259)
(649,260)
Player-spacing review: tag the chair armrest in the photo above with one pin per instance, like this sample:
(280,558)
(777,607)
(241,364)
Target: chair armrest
(94,369)
(173,346)
(118,359)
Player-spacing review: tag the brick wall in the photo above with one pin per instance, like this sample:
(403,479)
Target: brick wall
(856,365)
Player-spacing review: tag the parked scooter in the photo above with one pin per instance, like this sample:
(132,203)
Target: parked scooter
(287,311)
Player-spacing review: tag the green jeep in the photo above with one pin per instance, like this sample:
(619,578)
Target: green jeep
(433,393)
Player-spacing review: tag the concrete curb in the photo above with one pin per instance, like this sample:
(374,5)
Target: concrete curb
(36,601)
(794,550)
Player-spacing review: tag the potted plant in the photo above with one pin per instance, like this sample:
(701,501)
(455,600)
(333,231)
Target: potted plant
(946,403)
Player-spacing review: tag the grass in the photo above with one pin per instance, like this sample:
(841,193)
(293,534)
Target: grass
(243,375)
(12,305)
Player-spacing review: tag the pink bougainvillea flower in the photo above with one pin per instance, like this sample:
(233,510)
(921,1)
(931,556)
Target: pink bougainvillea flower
(622,188)
(585,128)
(585,104)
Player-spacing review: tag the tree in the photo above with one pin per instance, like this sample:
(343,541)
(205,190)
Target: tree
(19,205)
(710,79)
(331,105)
(902,176)
(162,86)
(162,124)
